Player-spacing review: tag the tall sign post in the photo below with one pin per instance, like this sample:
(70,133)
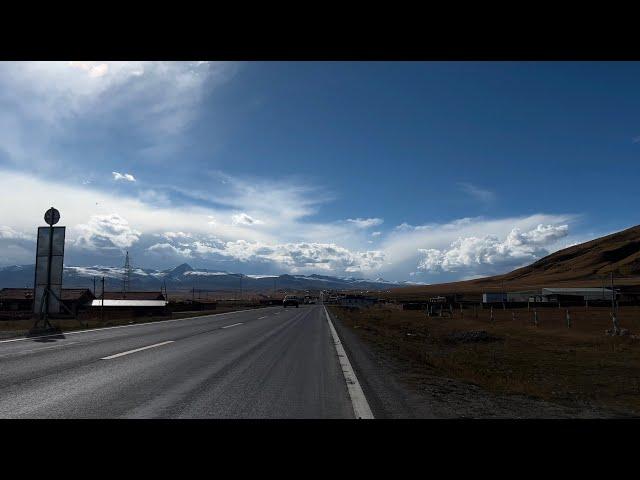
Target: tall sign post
(48,274)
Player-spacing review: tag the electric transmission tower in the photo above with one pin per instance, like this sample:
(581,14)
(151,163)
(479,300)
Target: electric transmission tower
(126,278)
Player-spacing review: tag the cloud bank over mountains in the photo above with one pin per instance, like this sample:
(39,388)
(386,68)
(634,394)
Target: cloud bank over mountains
(517,249)
(129,117)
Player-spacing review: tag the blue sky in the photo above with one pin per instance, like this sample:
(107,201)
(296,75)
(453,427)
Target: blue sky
(418,171)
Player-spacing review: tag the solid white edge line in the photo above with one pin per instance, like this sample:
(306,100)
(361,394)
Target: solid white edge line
(136,350)
(233,325)
(22,339)
(361,407)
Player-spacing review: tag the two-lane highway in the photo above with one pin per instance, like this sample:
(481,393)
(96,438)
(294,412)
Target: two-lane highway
(264,363)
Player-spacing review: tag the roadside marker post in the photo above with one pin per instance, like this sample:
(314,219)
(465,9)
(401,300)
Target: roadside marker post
(48,274)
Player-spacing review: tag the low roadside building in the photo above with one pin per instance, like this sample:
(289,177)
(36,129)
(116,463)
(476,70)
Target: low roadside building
(494,297)
(76,299)
(16,299)
(140,295)
(134,308)
(356,301)
(563,294)
(21,299)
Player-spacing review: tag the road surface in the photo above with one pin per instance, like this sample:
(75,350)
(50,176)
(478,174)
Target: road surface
(264,363)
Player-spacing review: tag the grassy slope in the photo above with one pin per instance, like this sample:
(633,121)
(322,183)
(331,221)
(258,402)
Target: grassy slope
(572,366)
(584,265)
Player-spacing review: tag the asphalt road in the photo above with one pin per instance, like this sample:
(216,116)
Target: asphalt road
(265,363)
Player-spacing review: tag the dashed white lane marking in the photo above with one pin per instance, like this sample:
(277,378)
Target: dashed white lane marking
(136,350)
(158,322)
(361,407)
(20,352)
(234,325)
(260,318)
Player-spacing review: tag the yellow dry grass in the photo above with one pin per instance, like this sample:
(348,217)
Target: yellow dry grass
(573,366)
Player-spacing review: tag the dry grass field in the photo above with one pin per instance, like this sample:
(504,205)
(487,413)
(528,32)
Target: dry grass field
(575,366)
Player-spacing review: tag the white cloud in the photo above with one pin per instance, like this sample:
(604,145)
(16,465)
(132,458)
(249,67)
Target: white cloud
(403,244)
(106,232)
(92,70)
(8,233)
(123,176)
(365,222)
(45,103)
(168,250)
(244,219)
(517,249)
(176,235)
(293,257)
(300,256)
(480,194)
(376,234)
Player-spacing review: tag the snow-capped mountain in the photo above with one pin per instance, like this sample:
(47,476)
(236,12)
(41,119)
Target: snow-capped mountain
(184,277)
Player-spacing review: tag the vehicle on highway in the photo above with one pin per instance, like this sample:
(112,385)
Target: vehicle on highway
(290,300)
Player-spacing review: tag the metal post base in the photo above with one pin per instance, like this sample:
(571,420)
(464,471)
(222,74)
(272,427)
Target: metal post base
(39,331)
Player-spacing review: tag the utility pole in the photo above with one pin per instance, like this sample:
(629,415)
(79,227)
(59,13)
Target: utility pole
(126,280)
(613,295)
(94,286)
(102,306)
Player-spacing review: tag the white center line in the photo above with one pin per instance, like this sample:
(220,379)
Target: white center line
(235,324)
(136,350)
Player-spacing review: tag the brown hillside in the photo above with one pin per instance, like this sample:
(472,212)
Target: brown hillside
(586,264)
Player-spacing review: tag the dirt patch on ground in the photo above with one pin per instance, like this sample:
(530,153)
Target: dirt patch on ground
(510,366)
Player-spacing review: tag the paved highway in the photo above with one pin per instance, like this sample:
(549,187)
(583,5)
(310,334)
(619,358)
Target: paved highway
(265,363)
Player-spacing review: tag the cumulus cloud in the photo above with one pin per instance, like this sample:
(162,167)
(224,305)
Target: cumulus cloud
(517,249)
(8,233)
(376,234)
(244,219)
(123,176)
(168,250)
(175,235)
(106,232)
(300,256)
(294,257)
(365,222)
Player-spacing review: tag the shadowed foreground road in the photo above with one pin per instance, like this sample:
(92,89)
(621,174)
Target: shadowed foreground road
(265,363)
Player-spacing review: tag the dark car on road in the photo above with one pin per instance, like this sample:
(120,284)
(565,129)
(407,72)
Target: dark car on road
(290,300)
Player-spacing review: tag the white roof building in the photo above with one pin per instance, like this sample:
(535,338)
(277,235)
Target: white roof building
(129,303)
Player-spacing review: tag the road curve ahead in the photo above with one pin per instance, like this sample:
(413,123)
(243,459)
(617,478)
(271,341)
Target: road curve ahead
(265,363)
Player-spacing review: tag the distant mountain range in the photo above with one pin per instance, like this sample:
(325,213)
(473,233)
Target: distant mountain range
(184,277)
